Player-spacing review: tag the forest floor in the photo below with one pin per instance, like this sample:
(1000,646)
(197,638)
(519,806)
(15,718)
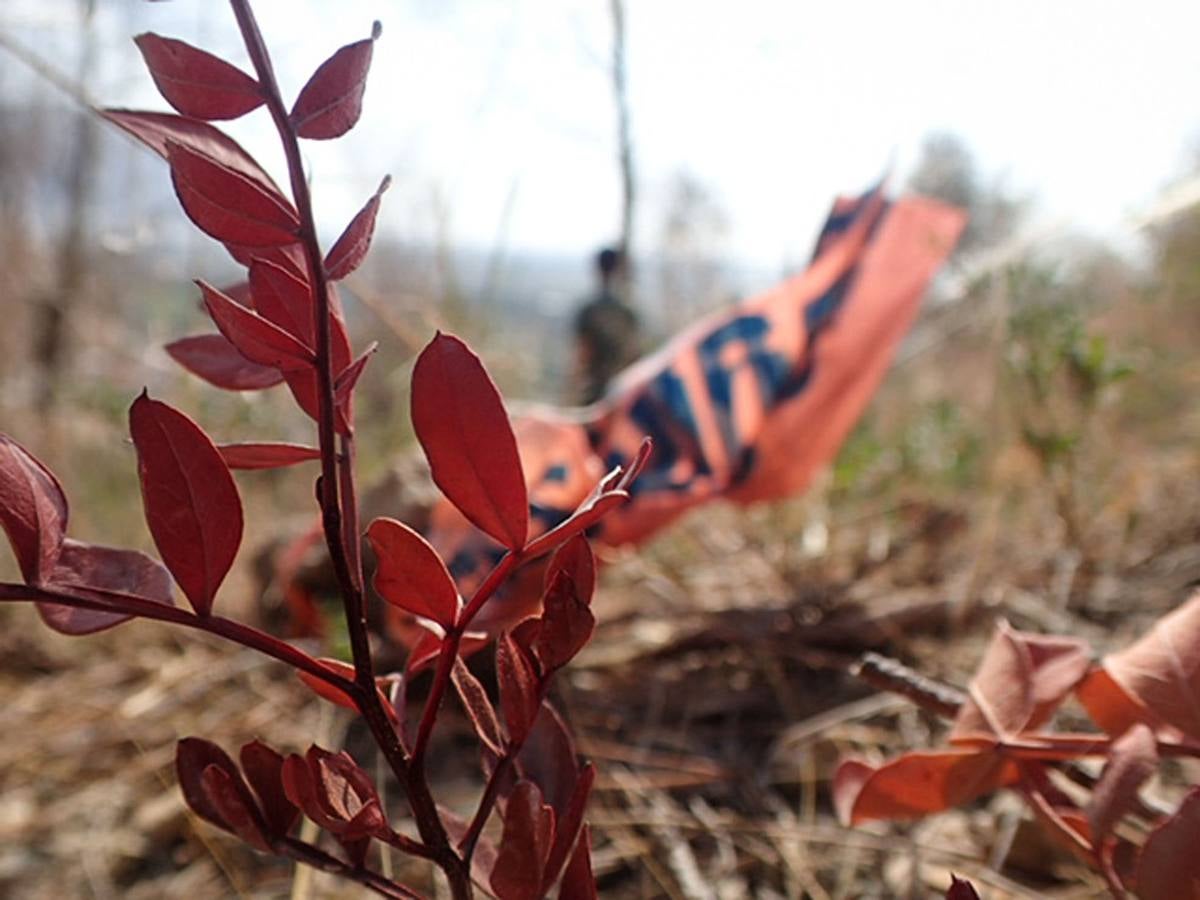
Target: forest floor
(715,697)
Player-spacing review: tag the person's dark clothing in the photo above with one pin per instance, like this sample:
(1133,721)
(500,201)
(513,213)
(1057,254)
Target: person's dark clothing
(607,332)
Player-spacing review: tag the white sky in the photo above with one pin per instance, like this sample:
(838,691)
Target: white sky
(480,107)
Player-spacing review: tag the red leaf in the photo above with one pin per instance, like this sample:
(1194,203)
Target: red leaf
(460,421)
(157,130)
(1058,813)
(343,386)
(266,455)
(1132,759)
(1161,670)
(960,890)
(1020,682)
(227,204)
(197,83)
(334,695)
(334,792)
(229,797)
(525,845)
(191,502)
(327,691)
(263,768)
(519,695)
(283,297)
(478,707)
(607,495)
(33,510)
(288,255)
(570,824)
(410,574)
(578,881)
(331,102)
(567,624)
(213,358)
(575,559)
(348,253)
(548,758)
(256,338)
(83,565)
(1113,709)
(194,757)
(1169,868)
(917,784)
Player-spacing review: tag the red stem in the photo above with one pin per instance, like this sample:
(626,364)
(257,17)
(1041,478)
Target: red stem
(349,579)
(319,859)
(140,607)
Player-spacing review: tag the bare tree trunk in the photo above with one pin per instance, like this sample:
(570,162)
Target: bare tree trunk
(53,311)
(624,142)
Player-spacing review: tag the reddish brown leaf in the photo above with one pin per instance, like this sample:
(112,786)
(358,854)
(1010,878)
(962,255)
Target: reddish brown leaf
(1020,682)
(255,337)
(227,204)
(228,796)
(570,824)
(284,298)
(917,784)
(567,624)
(197,83)
(519,695)
(288,255)
(213,358)
(194,757)
(548,758)
(263,768)
(1132,759)
(326,690)
(334,792)
(1113,709)
(335,695)
(460,421)
(410,574)
(33,510)
(578,882)
(191,502)
(1059,815)
(83,565)
(351,248)
(611,492)
(157,130)
(347,380)
(266,455)
(960,890)
(478,707)
(575,559)
(525,845)
(1169,868)
(331,102)
(1161,670)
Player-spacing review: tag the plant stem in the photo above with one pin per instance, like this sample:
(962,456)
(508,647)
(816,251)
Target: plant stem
(232,631)
(491,791)
(319,859)
(346,568)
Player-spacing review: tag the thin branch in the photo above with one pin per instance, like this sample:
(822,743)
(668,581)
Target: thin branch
(347,571)
(313,856)
(140,607)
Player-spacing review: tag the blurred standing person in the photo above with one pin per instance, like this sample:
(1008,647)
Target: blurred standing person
(607,330)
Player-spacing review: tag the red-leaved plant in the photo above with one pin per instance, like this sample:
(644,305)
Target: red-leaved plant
(1145,699)
(283,325)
